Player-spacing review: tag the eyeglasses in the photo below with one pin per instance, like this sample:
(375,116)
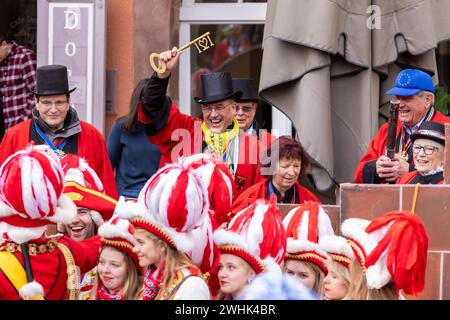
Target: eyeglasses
(244,109)
(427,149)
(218,107)
(57,104)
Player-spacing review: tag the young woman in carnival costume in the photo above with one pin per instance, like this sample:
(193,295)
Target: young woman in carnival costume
(305,225)
(119,276)
(34,265)
(391,256)
(253,242)
(337,280)
(174,234)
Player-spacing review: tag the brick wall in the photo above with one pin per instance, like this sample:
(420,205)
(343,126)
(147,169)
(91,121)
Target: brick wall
(433,206)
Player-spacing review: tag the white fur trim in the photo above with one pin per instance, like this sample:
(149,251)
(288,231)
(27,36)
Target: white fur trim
(118,230)
(32,290)
(129,209)
(302,245)
(183,240)
(20,234)
(65,212)
(224,237)
(336,245)
(377,276)
(354,229)
(271,266)
(97,218)
(5,210)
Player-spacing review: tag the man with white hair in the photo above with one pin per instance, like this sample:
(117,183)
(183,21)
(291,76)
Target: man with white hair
(415,91)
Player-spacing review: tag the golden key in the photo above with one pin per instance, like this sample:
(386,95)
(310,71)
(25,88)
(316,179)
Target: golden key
(202,43)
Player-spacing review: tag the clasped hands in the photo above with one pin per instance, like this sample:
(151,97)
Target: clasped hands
(391,170)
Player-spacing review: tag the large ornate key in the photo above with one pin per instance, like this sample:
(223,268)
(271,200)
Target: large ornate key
(202,43)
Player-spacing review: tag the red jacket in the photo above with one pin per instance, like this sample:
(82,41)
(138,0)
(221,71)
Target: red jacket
(259,191)
(187,138)
(91,147)
(377,147)
(50,268)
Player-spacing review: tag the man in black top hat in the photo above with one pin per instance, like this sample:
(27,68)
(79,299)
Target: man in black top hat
(55,123)
(246,107)
(178,134)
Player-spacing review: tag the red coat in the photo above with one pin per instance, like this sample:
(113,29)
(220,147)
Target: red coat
(50,268)
(259,191)
(408,179)
(188,140)
(377,147)
(91,147)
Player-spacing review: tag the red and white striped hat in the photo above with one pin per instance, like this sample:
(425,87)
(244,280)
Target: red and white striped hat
(392,247)
(76,169)
(119,233)
(305,225)
(218,180)
(337,249)
(84,187)
(174,206)
(31,185)
(255,234)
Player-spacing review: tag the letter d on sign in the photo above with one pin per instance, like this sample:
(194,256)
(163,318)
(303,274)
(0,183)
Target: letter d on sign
(71,20)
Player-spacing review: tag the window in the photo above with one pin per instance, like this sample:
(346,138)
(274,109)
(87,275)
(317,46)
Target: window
(18,19)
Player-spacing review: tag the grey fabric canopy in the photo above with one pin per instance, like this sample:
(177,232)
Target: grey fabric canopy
(326,66)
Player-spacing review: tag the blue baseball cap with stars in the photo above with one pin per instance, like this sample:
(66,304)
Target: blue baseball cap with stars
(411,81)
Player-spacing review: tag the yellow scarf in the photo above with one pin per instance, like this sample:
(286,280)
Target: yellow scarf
(218,142)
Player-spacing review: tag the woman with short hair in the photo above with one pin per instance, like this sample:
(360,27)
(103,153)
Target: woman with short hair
(286,162)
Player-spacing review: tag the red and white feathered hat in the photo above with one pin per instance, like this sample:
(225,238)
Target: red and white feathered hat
(174,206)
(218,180)
(337,249)
(305,225)
(84,187)
(31,185)
(392,247)
(255,234)
(119,233)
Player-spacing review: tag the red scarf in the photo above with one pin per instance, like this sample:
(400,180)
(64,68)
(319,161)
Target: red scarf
(103,294)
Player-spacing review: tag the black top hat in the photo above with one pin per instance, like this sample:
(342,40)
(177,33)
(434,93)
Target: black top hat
(52,80)
(217,86)
(249,94)
(430,130)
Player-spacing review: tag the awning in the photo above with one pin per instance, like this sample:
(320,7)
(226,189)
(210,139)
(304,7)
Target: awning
(328,71)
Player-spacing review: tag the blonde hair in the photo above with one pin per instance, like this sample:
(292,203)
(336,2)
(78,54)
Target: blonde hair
(338,269)
(133,284)
(358,289)
(174,261)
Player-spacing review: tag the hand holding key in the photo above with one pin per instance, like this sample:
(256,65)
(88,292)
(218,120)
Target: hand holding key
(202,43)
